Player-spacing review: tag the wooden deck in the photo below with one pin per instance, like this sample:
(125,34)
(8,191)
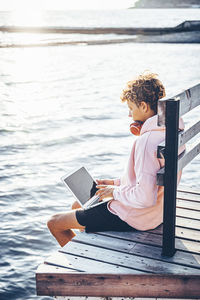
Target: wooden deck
(129,264)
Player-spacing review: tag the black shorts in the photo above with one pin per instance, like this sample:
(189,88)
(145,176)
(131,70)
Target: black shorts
(99,218)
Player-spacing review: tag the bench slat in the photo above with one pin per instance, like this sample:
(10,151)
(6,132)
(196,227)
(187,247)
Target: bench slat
(184,212)
(189,197)
(183,138)
(189,133)
(188,189)
(188,223)
(189,205)
(130,261)
(183,160)
(189,99)
(191,152)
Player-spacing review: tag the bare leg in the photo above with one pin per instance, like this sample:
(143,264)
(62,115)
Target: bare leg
(60,226)
(76,205)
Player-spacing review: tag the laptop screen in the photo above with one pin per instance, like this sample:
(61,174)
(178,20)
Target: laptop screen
(81,184)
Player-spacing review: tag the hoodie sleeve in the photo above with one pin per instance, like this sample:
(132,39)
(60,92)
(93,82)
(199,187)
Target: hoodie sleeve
(146,165)
(117,181)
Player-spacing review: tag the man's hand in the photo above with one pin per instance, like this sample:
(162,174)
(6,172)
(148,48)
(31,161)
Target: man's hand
(105,181)
(104,192)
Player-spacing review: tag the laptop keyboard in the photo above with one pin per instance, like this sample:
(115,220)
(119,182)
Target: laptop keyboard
(92,200)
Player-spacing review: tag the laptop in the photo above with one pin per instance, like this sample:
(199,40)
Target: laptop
(83,187)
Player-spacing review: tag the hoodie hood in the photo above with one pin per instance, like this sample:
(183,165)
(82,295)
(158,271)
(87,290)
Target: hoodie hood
(151,124)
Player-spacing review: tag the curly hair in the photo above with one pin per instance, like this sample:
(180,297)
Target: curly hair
(146,87)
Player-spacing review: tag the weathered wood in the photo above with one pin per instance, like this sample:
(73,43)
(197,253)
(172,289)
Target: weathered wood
(45,268)
(132,254)
(183,160)
(189,214)
(188,223)
(183,138)
(186,259)
(191,152)
(189,99)
(103,298)
(130,261)
(114,298)
(190,196)
(187,135)
(183,233)
(84,284)
(180,257)
(70,261)
(189,205)
(108,242)
(186,239)
(146,237)
(189,190)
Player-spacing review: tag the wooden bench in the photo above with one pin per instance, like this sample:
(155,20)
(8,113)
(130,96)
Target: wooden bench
(164,262)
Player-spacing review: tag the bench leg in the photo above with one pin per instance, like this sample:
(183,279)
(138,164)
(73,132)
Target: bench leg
(170,177)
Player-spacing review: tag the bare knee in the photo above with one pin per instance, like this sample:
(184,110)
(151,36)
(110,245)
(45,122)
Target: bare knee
(52,223)
(63,221)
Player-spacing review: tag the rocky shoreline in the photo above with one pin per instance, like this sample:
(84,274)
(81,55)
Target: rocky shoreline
(167,4)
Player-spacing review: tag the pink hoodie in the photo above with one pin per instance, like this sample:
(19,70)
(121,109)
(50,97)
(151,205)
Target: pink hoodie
(137,199)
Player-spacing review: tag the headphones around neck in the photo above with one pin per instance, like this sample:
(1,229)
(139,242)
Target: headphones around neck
(135,127)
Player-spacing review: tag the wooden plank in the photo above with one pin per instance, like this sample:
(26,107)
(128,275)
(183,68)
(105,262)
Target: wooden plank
(188,213)
(70,261)
(129,261)
(186,157)
(189,133)
(188,189)
(113,243)
(154,238)
(189,197)
(180,257)
(183,258)
(187,204)
(186,233)
(189,234)
(188,223)
(183,160)
(105,298)
(187,246)
(45,268)
(145,237)
(181,232)
(189,99)
(183,138)
(84,284)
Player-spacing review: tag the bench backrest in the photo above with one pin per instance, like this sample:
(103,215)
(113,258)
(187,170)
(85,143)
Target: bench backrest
(169,111)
